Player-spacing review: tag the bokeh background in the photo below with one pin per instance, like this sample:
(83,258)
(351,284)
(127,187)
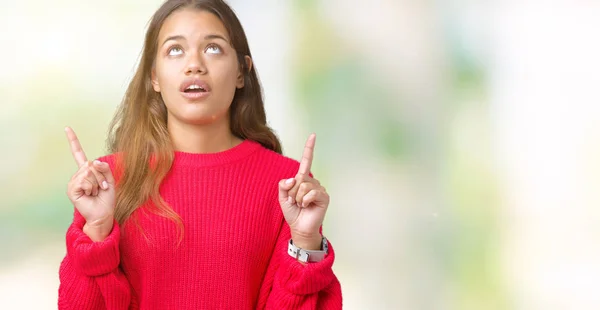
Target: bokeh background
(459,140)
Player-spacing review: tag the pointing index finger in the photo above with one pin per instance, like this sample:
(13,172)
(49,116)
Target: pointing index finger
(76,149)
(307,155)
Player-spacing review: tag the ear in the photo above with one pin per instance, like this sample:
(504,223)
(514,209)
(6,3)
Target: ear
(241,75)
(154,79)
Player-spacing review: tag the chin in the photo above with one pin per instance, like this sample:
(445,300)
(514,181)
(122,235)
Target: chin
(205,120)
(199,113)
(201,118)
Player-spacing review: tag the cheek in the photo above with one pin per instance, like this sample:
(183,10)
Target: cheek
(227,77)
(167,75)
(169,85)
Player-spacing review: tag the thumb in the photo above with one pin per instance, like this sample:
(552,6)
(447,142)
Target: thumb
(104,168)
(284,186)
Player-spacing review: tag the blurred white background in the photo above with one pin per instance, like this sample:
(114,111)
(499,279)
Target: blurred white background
(459,140)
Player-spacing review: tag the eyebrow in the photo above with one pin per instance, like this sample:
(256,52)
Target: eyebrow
(207,37)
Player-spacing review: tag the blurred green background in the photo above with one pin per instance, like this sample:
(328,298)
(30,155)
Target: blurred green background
(459,140)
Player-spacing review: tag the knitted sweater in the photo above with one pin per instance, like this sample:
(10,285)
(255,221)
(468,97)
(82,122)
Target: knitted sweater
(234,249)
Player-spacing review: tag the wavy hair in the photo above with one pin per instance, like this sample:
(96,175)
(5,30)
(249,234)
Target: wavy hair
(138,131)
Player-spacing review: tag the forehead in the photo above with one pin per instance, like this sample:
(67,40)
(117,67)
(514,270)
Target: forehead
(192,23)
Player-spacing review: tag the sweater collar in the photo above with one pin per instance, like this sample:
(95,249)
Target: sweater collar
(242,150)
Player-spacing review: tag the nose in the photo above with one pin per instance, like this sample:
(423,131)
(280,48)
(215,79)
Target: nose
(195,65)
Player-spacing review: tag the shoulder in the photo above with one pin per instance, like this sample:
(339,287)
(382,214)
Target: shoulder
(112,160)
(278,164)
(109,158)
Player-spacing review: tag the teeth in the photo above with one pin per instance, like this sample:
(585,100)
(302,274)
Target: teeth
(195,87)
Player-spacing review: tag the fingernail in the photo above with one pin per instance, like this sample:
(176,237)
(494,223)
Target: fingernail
(289,181)
(96,162)
(104,184)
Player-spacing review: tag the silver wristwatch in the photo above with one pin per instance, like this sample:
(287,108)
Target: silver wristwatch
(308,256)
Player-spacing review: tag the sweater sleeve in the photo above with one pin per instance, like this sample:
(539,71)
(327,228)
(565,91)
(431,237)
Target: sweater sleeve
(289,284)
(90,277)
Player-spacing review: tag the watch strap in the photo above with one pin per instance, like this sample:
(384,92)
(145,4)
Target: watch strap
(308,256)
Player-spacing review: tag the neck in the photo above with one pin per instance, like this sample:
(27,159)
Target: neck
(206,138)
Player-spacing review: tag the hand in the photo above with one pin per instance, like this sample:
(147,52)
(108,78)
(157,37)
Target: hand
(92,191)
(304,202)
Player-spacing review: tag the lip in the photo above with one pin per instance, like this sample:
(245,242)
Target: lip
(194,96)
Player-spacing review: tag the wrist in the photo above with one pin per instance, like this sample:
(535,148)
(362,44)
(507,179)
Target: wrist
(308,242)
(98,231)
(304,256)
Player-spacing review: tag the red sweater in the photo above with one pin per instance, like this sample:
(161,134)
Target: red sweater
(233,254)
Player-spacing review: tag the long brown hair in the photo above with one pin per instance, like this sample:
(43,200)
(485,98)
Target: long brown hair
(138,132)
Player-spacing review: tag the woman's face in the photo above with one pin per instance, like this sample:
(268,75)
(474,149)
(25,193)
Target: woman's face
(196,69)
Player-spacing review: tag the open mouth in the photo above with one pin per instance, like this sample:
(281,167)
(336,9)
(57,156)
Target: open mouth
(194,89)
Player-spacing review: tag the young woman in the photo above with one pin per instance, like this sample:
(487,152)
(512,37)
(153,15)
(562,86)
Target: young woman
(195,207)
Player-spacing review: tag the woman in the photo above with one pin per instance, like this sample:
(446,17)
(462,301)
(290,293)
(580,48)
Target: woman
(195,207)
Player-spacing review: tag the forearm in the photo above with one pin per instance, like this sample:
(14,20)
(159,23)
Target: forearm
(290,284)
(90,277)
(299,285)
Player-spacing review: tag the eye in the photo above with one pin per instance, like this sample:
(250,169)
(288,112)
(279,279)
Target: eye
(175,51)
(213,49)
